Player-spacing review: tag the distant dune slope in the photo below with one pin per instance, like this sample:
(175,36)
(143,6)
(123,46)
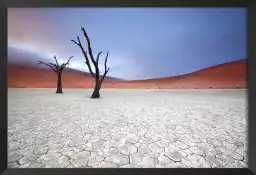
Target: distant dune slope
(227,75)
(21,76)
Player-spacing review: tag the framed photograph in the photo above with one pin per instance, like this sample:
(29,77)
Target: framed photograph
(128,87)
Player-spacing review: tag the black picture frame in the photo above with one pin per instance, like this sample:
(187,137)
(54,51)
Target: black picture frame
(251,9)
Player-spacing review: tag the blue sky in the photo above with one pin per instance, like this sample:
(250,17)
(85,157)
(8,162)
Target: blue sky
(142,42)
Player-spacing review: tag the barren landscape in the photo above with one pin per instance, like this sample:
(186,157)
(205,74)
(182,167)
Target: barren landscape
(127,88)
(144,128)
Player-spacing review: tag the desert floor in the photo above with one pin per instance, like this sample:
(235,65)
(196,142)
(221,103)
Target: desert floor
(127,128)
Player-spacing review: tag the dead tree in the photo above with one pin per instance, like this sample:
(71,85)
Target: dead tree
(96,75)
(58,70)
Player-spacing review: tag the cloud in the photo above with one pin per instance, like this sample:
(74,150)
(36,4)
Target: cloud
(116,65)
(24,56)
(143,43)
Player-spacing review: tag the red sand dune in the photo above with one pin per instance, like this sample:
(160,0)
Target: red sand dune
(227,76)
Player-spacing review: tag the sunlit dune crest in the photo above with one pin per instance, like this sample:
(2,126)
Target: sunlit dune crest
(229,75)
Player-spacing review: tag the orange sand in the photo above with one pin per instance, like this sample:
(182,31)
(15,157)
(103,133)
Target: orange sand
(227,76)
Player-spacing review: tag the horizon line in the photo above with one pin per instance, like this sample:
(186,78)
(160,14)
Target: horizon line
(122,79)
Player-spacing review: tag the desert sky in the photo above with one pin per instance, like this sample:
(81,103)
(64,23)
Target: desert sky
(142,42)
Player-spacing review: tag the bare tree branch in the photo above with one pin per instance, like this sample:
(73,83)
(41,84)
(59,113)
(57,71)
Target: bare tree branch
(104,75)
(53,64)
(106,69)
(98,57)
(56,67)
(56,61)
(76,42)
(40,62)
(78,39)
(106,59)
(90,70)
(69,60)
(89,47)
(67,63)
(87,62)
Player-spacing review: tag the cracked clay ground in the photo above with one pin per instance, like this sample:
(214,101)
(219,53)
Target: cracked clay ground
(127,129)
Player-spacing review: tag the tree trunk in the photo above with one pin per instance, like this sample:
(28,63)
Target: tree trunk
(96,92)
(59,84)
